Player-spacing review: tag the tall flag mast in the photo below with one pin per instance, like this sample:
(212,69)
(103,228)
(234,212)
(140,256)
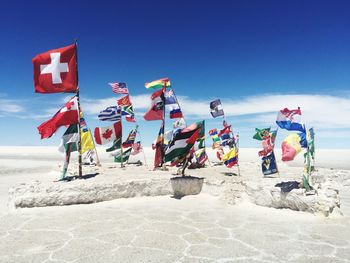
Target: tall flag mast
(56,71)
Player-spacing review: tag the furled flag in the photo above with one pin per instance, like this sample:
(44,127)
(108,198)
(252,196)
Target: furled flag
(87,142)
(231,158)
(170,97)
(136,148)
(220,153)
(291,147)
(158,146)
(268,143)
(117,144)
(119,87)
(216,108)
(268,164)
(112,113)
(131,138)
(156,111)
(65,116)
(158,84)
(261,134)
(290,120)
(216,140)
(175,112)
(182,142)
(108,134)
(55,71)
(69,143)
(310,137)
(122,158)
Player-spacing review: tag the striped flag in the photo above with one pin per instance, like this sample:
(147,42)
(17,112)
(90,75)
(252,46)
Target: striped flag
(112,113)
(119,87)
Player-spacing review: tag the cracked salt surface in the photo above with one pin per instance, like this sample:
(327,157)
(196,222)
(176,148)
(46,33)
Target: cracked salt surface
(162,229)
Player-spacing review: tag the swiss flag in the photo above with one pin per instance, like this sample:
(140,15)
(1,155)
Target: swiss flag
(108,134)
(55,71)
(66,116)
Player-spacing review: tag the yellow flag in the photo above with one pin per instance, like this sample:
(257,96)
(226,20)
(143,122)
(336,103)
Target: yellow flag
(86,141)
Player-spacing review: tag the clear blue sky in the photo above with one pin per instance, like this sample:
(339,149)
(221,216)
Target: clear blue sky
(244,52)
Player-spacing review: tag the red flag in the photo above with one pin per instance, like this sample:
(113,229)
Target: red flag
(65,116)
(124,101)
(55,71)
(108,134)
(156,110)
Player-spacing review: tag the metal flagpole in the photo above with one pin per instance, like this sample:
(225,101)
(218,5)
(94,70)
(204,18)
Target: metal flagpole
(121,143)
(80,172)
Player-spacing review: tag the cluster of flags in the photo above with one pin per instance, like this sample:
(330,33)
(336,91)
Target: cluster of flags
(223,137)
(268,160)
(113,133)
(55,71)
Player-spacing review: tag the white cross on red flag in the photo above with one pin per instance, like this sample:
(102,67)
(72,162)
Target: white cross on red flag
(55,71)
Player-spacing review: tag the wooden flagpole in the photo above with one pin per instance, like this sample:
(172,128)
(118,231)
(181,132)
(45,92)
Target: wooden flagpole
(121,142)
(80,171)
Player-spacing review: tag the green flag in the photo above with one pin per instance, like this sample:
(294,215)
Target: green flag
(118,158)
(116,145)
(261,134)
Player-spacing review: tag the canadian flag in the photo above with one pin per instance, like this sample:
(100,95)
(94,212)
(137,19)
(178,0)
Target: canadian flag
(55,71)
(65,116)
(108,134)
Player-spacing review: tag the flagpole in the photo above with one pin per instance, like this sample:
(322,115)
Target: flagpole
(163,124)
(121,143)
(80,171)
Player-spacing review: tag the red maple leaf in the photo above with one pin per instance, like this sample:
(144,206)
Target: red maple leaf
(107,134)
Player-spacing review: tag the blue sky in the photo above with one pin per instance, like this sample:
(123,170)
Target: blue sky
(256,56)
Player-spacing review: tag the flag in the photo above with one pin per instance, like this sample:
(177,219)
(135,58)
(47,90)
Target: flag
(175,112)
(231,158)
(112,113)
(131,138)
(290,120)
(220,153)
(127,110)
(261,134)
(55,71)
(130,118)
(71,135)
(119,87)
(136,148)
(225,136)
(201,156)
(182,142)
(124,101)
(170,97)
(156,111)
(268,143)
(179,124)
(108,134)
(117,144)
(87,142)
(216,108)
(310,137)
(268,164)
(291,147)
(158,84)
(121,158)
(65,116)
(69,143)
(216,140)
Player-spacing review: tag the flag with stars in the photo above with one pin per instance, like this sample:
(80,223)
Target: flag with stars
(55,71)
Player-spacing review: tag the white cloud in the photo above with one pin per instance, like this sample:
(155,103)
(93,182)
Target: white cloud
(321,111)
(10,106)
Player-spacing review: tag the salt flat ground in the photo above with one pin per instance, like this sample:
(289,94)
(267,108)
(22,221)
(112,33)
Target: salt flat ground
(198,228)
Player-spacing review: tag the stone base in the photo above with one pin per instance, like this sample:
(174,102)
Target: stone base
(83,192)
(186,185)
(323,201)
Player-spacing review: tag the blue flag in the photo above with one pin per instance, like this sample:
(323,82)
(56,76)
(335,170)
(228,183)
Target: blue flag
(269,165)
